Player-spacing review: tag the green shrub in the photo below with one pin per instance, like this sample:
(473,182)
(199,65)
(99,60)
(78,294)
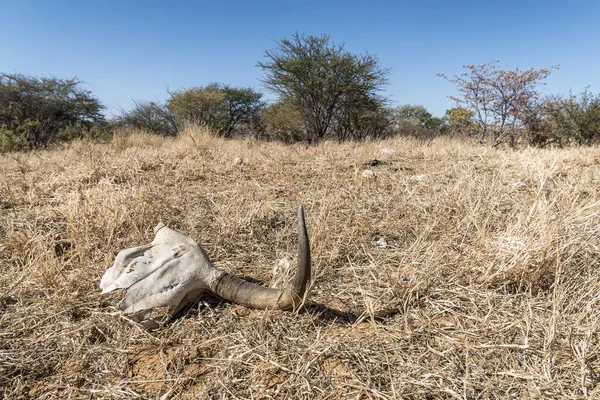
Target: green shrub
(97,132)
(564,121)
(416,121)
(11,141)
(577,118)
(149,116)
(283,121)
(362,122)
(460,121)
(222,108)
(38,109)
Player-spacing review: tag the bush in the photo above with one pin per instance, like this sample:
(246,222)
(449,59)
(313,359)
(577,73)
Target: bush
(283,121)
(222,108)
(373,124)
(361,120)
(151,117)
(577,118)
(562,121)
(97,132)
(416,121)
(460,122)
(199,105)
(11,141)
(35,110)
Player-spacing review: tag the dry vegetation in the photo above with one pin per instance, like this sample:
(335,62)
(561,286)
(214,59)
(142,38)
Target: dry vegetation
(488,286)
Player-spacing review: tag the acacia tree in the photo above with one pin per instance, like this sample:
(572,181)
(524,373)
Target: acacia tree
(220,107)
(410,120)
(36,110)
(149,116)
(243,106)
(577,118)
(499,98)
(415,114)
(417,121)
(560,120)
(324,81)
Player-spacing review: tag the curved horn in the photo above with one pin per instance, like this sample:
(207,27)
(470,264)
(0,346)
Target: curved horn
(249,294)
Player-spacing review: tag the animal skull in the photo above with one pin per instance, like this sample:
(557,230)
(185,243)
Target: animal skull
(174,270)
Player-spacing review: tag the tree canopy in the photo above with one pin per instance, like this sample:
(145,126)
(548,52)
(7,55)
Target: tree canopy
(35,110)
(331,88)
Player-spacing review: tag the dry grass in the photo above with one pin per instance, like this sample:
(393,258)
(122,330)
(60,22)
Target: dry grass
(488,287)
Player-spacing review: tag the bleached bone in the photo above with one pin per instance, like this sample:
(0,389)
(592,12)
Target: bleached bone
(174,270)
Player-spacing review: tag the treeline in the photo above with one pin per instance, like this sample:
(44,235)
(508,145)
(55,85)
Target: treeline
(322,92)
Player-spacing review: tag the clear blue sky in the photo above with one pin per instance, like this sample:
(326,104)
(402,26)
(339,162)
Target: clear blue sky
(134,50)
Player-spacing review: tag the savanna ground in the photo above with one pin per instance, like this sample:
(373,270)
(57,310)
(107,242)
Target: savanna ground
(487,285)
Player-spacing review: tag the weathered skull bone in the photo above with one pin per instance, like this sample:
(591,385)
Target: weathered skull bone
(174,270)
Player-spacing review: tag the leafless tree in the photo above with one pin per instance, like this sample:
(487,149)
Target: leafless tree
(500,98)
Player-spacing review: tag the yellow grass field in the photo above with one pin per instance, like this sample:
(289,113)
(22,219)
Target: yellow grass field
(457,272)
